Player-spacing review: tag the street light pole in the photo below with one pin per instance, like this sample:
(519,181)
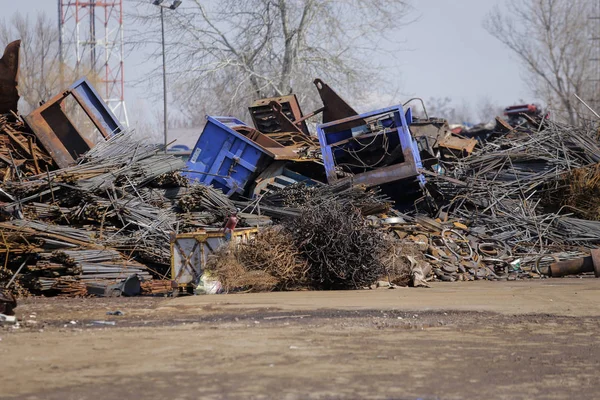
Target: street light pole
(173,6)
(164,60)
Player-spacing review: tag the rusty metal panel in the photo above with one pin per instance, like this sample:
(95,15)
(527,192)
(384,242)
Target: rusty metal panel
(435,129)
(270,146)
(457,143)
(57,132)
(278,114)
(9,78)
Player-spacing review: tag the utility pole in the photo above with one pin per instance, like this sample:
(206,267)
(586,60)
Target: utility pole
(173,6)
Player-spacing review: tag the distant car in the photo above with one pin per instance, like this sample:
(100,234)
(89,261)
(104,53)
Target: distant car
(180,151)
(179,147)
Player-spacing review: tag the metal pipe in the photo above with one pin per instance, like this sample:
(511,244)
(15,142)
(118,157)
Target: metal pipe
(588,107)
(16,273)
(577,266)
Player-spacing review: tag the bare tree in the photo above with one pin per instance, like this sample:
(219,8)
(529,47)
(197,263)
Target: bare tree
(39,70)
(550,39)
(223,54)
(486,110)
(444,107)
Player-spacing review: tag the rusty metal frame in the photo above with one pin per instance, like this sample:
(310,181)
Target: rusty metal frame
(58,134)
(283,111)
(187,268)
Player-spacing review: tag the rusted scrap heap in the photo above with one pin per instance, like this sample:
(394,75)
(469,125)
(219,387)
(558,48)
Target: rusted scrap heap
(79,217)
(101,220)
(330,245)
(521,194)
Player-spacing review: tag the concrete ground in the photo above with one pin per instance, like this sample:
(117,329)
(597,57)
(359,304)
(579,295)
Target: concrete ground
(472,340)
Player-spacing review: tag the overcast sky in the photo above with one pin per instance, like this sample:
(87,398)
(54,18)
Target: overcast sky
(447,54)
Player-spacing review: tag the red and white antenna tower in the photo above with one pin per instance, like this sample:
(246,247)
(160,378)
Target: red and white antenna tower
(91,36)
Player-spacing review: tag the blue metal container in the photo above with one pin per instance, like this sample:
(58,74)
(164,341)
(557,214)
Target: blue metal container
(224,158)
(344,142)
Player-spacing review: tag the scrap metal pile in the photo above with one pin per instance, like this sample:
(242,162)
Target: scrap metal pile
(331,245)
(516,190)
(103,216)
(20,155)
(88,222)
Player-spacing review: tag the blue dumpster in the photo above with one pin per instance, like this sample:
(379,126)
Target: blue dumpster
(224,158)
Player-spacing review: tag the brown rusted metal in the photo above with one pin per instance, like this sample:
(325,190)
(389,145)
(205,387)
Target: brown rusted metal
(335,108)
(57,133)
(269,120)
(292,139)
(285,124)
(33,155)
(9,78)
(310,115)
(577,266)
(460,144)
(434,129)
(434,133)
(269,146)
(502,125)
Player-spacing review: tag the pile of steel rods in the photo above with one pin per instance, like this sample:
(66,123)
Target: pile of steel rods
(89,220)
(369,201)
(507,183)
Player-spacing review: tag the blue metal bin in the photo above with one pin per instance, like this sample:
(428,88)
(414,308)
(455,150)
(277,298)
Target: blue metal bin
(224,158)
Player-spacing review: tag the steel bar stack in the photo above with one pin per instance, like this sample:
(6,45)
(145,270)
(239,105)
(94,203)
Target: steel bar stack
(92,220)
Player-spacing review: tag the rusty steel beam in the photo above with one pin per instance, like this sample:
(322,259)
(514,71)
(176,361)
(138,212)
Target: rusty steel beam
(9,78)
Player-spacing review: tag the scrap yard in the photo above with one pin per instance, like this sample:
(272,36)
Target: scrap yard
(303,248)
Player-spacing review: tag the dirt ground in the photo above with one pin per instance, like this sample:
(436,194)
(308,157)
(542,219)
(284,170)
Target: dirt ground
(473,340)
